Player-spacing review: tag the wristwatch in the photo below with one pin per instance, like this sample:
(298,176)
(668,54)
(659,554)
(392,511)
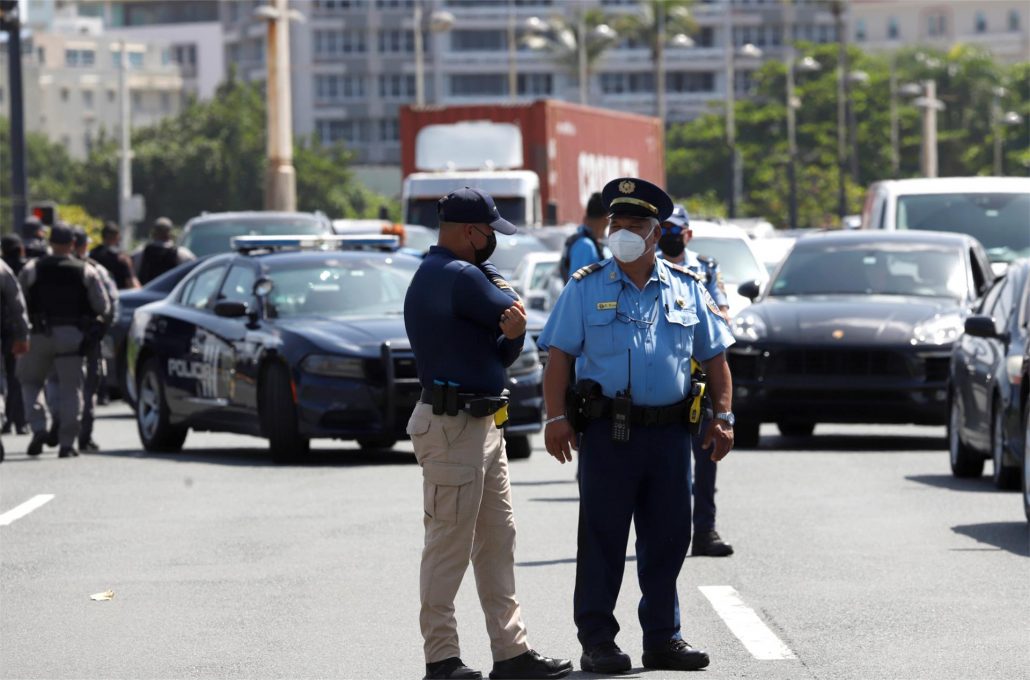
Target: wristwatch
(727,416)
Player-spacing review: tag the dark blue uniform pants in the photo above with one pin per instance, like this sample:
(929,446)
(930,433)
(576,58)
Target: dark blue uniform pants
(704,485)
(646,480)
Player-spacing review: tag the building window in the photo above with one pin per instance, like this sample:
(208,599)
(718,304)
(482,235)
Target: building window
(111,95)
(41,55)
(535,84)
(330,89)
(688,81)
(87,141)
(478,41)
(135,59)
(1013,20)
(860,30)
(77,58)
(335,43)
(1,95)
(396,86)
(394,4)
(627,83)
(893,30)
(87,99)
(936,25)
(137,101)
(350,131)
(479,85)
(981,22)
(388,130)
(398,41)
(166,102)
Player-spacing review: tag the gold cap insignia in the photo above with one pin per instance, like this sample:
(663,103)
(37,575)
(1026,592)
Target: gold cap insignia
(627,186)
(837,334)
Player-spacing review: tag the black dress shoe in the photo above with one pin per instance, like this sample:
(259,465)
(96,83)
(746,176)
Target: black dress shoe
(1,451)
(67,452)
(53,437)
(531,665)
(36,445)
(451,668)
(709,544)
(676,655)
(88,446)
(605,658)
(6,429)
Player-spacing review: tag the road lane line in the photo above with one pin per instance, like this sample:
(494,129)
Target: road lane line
(16,513)
(745,624)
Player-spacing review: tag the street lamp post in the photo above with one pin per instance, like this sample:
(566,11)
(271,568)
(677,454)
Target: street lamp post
(999,121)
(10,22)
(842,97)
(540,35)
(809,65)
(854,78)
(439,22)
(729,58)
(930,105)
(513,76)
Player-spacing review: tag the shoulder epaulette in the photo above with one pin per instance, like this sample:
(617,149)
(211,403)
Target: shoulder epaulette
(586,271)
(683,270)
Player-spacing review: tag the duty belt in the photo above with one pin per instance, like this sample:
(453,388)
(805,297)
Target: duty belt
(674,414)
(477,405)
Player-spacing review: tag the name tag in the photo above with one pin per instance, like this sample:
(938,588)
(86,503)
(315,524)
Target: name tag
(607,305)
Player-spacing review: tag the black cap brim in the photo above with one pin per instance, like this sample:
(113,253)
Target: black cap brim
(504,226)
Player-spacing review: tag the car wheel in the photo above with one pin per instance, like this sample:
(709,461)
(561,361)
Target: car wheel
(1026,461)
(965,462)
(796,429)
(745,435)
(279,414)
(376,443)
(517,447)
(155,430)
(1005,476)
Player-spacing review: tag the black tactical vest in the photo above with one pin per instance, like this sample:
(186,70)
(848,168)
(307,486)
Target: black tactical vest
(59,292)
(157,259)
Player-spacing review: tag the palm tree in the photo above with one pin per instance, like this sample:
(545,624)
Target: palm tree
(560,35)
(652,25)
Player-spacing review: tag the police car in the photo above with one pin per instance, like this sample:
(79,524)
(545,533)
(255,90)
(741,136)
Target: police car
(293,338)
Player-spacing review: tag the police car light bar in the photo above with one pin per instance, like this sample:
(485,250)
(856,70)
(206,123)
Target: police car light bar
(244,244)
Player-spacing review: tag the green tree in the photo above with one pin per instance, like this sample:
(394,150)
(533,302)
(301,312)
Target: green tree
(52,174)
(652,26)
(560,35)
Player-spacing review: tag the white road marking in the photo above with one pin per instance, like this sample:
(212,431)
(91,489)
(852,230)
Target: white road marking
(25,508)
(745,624)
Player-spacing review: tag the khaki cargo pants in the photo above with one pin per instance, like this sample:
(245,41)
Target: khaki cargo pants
(468,515)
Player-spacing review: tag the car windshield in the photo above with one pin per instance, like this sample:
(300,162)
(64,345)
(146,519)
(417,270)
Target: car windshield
(1001,222)
(423,210)
(344,287)
(543,272)
(870,268)
(736,262)
(214,236)
(511,250)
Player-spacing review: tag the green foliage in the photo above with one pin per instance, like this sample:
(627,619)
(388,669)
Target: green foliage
(697,156)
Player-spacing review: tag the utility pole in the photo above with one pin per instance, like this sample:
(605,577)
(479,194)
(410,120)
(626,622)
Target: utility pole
(280,178)
(124,145)
(659,57)
(731,122)
(513,76)
(10,22)
(930,105)
(895,136)
(581,28)
(792,142)
(842,95)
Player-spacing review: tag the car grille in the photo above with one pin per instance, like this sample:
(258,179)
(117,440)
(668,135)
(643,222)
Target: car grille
(839,363)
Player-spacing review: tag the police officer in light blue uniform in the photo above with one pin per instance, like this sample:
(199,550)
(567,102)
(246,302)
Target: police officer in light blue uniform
(632,324)
(675,238)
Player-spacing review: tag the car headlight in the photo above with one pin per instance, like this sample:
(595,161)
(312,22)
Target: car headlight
(337,367)
(748,326)
(528,361)
(940,330)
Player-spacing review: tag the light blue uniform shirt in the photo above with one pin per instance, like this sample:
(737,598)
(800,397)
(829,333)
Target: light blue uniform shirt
(709,270)
(616,330)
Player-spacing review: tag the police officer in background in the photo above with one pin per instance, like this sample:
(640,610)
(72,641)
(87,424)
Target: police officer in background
(12,252)
(15,331)
(34,236)
(161,254)
(466,325)
(94,333)
(676,234)
(584,247)
(632,324)
(63,294)
(110,256)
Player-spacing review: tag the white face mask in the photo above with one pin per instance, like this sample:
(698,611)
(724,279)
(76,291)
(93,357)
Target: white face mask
(627,246)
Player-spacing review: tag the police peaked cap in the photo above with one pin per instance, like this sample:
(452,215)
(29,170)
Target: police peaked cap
(637,198)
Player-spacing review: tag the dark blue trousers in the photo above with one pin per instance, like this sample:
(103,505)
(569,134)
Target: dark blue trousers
(646,481)
(704,485)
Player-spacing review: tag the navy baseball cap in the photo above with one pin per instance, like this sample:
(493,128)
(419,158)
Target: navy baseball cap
(80,236)
(472,206)
(637,198)
(61,234)
(679,217)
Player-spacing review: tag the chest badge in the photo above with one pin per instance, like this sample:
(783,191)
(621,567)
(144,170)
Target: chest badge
(607,305)
(681,303)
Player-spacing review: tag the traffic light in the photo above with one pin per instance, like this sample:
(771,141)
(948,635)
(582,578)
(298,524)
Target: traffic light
(46,213)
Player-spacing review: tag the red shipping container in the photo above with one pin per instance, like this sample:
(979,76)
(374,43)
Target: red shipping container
(575,150)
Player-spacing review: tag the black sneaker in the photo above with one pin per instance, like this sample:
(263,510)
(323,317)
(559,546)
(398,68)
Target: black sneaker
(676,655)
(88,446)
(53,437)
(6,429)
(451,668)
(22,429)
(709,544)
(605,658)
(36,445)
(1,450)
(531,665)
(67,452)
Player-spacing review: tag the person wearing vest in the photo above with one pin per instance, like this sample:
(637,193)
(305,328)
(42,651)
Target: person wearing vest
(584,247)
(110,256)
(63,295)
(161,254)
(33,235)
(12,251)
(676,235)
(15,329)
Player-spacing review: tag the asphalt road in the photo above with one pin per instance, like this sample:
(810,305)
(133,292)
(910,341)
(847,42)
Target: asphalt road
(857,553)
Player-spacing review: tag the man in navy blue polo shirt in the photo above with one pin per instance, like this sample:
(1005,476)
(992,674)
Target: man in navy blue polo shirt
(466,325)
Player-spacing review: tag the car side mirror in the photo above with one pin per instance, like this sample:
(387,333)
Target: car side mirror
(230,309)
(980,326)
(749,289)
